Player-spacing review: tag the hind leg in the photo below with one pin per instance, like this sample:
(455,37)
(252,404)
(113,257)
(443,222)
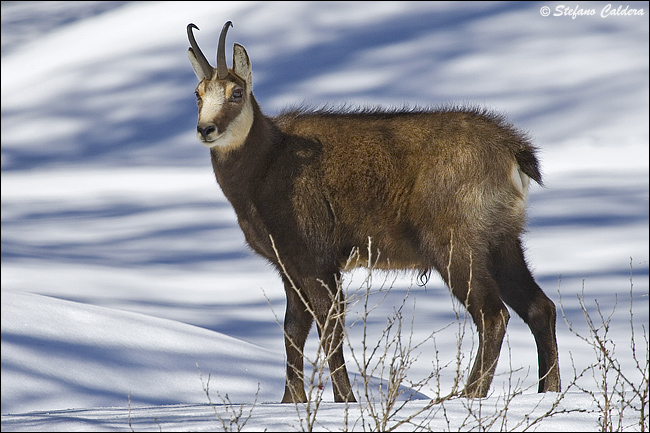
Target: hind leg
(470,281)
(519,290)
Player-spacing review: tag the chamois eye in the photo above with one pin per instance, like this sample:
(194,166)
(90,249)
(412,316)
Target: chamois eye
(237,94)
(198,97)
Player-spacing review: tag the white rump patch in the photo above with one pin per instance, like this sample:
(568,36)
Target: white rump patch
(520,180)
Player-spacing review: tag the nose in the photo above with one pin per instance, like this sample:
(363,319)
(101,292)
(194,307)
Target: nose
(205,131)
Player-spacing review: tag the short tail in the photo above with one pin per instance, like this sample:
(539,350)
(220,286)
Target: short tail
(529,164)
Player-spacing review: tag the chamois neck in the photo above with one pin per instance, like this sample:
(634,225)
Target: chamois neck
(241,166)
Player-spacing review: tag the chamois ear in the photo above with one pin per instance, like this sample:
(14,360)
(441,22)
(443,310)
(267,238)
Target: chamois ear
(242,66)
(195,64)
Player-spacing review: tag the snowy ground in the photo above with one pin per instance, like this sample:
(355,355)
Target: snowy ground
(122,263)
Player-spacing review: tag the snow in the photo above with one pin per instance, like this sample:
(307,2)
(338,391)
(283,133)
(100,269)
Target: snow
(126,282)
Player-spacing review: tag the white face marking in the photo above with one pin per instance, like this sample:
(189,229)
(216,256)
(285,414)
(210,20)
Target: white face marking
(214,98)
(237,131)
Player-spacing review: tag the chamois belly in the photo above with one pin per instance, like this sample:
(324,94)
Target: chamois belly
(383,246)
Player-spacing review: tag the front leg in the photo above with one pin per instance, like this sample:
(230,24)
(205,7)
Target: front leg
(297,323)
(329,307)
(328,310)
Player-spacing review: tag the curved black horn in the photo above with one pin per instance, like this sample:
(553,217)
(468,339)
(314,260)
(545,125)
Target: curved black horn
(203,62)
(222,66)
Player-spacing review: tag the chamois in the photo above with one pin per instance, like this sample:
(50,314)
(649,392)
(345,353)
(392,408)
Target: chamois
(433,189)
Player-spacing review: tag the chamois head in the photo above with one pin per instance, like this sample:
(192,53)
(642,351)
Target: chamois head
(223,95)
